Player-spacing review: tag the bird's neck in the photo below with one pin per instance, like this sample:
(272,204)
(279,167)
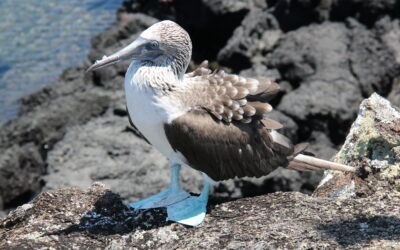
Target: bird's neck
(158,77)
(179,64)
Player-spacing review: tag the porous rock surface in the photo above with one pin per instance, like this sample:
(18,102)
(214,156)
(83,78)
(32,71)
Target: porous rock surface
(373,147)
(96,218)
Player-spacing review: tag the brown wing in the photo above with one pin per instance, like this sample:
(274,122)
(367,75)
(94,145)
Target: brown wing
(230,97)
(227,150)
(227,134)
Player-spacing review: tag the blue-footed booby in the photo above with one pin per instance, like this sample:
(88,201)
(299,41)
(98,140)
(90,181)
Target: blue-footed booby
(214,122)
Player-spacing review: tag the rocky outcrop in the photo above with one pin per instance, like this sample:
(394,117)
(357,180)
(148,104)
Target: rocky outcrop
(25,141)
(330,71)
(373,146)
(96,218)
(256,36)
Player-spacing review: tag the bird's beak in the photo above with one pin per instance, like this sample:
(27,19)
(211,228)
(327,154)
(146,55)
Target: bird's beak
(129,52)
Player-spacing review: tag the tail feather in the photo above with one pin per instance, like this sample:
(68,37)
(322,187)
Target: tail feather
(306,163)
(300,166)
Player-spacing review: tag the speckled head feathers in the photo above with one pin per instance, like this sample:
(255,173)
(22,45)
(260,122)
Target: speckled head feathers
(169,33)
(164,44)
(174,41)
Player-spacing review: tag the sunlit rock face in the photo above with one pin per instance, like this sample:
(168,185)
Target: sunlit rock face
(373,146)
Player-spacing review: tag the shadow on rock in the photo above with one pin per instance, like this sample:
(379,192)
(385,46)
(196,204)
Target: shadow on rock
(363,230)
(110,216)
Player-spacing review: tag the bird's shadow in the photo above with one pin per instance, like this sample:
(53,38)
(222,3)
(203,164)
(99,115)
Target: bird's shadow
(110,216)
(358,230)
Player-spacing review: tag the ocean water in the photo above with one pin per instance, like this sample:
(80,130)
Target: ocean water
(41,38)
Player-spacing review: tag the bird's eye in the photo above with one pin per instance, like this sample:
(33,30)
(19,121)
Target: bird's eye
(153,45)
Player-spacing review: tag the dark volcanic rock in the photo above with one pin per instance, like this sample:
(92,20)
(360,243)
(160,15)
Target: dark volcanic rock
(295,14)
(394,96)
(259,70)
(96,218)
(389,32)
(321,146)
(26,140)
(210,23)
(372,63)
(332,65)
(366,11)
(20,174)
(256,36)
(315,51)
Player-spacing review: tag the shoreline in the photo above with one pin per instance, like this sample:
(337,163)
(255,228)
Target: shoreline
(40,44)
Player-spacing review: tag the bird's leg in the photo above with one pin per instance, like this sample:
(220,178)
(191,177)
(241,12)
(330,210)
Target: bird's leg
(173,194)
(192,210)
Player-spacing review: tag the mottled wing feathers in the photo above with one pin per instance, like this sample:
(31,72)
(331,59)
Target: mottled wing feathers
(226,133)
(227,150)
(230,97)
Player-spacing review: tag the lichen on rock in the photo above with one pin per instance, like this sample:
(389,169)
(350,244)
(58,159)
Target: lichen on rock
(373,146)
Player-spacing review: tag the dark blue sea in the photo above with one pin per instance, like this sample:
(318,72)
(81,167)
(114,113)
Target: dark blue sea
(41,38)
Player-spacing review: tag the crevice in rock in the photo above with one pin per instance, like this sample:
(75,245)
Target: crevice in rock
(20,199)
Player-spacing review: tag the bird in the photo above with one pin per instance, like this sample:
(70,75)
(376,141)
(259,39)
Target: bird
(212,121)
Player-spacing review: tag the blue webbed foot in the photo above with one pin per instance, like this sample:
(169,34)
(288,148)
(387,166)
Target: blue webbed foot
(172,195)
(162,199)
(192,210)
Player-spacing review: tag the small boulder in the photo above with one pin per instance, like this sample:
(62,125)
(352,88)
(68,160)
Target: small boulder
(373,146)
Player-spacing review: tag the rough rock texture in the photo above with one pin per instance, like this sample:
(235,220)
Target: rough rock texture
(257,34)
(394,95)
(25,141)
(373,146)
(294,14)
(389,31)
(96,218)
(330,70)
(371,61)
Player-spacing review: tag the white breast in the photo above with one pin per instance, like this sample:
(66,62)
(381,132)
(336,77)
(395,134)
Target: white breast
(150,111)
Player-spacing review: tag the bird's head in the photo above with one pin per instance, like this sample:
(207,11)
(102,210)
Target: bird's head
(162,44)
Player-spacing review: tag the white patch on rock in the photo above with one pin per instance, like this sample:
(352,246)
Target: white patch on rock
(325,179)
